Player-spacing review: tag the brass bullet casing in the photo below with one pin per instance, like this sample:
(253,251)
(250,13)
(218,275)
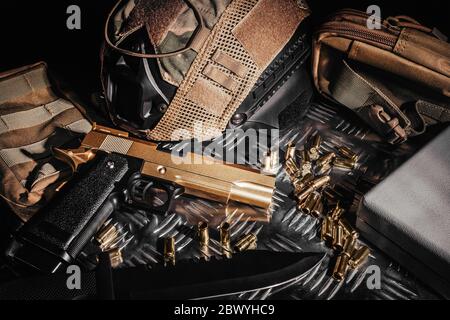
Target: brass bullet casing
(107,236)
(341,267)
(326,232)
(290,151)
(291,168)
(310,202)
(359,257)
(169,251)
(225,239)
(348,229)
(115,257)
(342,262)
(248,242)
(203,233)
(316,142)
(318,208)
(349,244)
(326,159)
(345,163)
(300,183)
(306,162)
(324,169)
(336,213)
(313,186)
(338,238)
(347,153)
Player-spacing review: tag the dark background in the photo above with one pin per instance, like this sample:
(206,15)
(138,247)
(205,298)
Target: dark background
(36,30)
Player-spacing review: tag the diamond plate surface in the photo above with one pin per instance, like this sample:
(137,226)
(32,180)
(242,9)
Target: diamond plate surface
(290,230)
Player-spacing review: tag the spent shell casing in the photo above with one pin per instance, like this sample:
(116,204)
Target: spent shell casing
(225,235)
(290,151)
(326,159)
(247,242)
(106,236)
(169,251)
(203,233)
(310,202)
(359,257)
(313,186)
(348,229)
(115,257)
(305,156)
(318,208)
(336,213)
(326,232)
(341,267)
(349,245)
(344,163)
(315,144)
(291,168)
(338,238)
(301,182)
(324,169)
(347,153)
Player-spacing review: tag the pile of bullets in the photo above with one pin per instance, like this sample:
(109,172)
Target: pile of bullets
(311,177)
(246,242)
(340,236)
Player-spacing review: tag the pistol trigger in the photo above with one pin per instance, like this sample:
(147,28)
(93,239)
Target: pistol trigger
(74,158)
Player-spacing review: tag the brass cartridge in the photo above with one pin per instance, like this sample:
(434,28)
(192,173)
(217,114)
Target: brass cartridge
(203,234)
(338,238)
(326,232)
(314,147)
(248,242)
(115,257)
(310,202)
(359,257)
(341,267)
(169,251)
(290,152)
(300,183)
(326,159)
(337,212)
(345,163)
(347,153)
(313,186)
(318,208)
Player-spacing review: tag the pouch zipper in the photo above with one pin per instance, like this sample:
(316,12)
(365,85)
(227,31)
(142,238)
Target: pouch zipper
(358,32)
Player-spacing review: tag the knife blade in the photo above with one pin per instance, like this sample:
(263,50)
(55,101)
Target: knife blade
(215,278)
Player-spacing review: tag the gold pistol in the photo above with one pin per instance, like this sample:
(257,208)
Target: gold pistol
(199,177)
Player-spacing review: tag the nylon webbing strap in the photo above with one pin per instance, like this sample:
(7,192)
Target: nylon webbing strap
(356,93)
(226,68)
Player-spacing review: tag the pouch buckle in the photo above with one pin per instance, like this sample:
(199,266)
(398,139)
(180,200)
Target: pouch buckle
(388,125)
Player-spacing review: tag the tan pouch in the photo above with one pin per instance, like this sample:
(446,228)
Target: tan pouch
(396,77)
(35,116)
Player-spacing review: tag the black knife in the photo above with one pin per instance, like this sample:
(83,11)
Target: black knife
(247,271)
